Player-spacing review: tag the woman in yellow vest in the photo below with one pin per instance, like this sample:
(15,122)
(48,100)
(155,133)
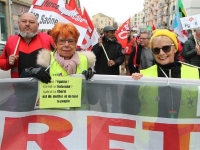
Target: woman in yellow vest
(157,101)
(65,60)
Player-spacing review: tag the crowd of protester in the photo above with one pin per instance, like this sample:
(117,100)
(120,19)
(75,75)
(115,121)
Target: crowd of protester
(150,53)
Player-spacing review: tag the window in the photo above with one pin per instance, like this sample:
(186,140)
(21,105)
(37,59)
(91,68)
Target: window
(173,7)
(1,8)
(105,19)
(101,21)
(96,20)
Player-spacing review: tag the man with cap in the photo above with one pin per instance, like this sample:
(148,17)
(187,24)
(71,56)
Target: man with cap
(108,62)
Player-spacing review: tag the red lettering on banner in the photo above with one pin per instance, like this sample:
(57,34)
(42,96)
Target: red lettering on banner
(184,133)
(170,134)
(176,136)
(15,135)
(98,131)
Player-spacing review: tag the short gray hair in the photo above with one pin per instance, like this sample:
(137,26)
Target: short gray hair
(146,32)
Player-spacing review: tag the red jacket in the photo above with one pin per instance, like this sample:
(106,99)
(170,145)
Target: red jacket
(45,42)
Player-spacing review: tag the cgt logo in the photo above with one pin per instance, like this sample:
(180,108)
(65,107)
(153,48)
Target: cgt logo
(46,131)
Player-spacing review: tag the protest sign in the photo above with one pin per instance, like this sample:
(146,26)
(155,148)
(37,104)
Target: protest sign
(190,22)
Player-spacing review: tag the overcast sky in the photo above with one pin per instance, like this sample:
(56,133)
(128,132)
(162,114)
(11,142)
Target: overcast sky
(120,10)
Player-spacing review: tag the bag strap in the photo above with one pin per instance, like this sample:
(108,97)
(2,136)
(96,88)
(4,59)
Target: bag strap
(135,57)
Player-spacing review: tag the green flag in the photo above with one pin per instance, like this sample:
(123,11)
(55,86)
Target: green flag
(181,8)
(148,28)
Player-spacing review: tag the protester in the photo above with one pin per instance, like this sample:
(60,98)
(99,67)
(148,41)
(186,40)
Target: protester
(127,51)
(191,50)
(108,65)
(65,60)
(166,103)
(21,50)
(141,56)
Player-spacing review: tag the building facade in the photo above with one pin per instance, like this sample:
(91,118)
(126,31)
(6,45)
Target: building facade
(100,21)
(160,13)
(10,11)
(4,21)
(137,20)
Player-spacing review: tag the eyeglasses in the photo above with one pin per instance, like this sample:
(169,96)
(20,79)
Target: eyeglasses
(143,38)
(166,49)
(63,41)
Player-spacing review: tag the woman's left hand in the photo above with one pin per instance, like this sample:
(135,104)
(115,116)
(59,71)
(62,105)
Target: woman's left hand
(88,73)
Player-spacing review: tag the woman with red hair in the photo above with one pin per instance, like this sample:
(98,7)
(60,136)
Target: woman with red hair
(65,60)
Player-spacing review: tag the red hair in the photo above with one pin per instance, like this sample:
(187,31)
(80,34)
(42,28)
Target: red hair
(65,30)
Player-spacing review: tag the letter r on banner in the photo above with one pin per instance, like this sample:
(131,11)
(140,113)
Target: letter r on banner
(15,135)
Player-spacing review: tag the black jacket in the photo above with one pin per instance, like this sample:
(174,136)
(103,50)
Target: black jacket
(189,53)
(114,52)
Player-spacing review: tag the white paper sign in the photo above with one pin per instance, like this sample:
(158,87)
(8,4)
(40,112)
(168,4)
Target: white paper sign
(190,22)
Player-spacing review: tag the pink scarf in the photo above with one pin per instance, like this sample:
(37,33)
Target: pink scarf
(68,65)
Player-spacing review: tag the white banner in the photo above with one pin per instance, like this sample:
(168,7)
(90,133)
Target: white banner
(49,12)
(190,22)
(73,130)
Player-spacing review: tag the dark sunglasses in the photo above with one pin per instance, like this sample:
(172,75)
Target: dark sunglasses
(166,49)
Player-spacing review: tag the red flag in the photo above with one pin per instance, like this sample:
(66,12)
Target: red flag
(91,36)
(72,4)
(153,27)
(121,33)
(58,12)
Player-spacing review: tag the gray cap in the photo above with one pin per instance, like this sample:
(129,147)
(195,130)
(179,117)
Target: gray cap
(109,28)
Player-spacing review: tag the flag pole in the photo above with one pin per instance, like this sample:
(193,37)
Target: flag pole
(105,52)
(17,45)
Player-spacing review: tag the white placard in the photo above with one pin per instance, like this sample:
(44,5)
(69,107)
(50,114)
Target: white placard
(190,22)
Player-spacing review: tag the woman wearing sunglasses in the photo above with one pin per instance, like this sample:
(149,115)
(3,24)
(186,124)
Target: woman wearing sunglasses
(164,46)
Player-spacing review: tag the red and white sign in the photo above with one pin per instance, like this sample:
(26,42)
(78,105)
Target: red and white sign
(91,36)
(49,12)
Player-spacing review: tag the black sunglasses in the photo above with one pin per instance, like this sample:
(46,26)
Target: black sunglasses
(166,49)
